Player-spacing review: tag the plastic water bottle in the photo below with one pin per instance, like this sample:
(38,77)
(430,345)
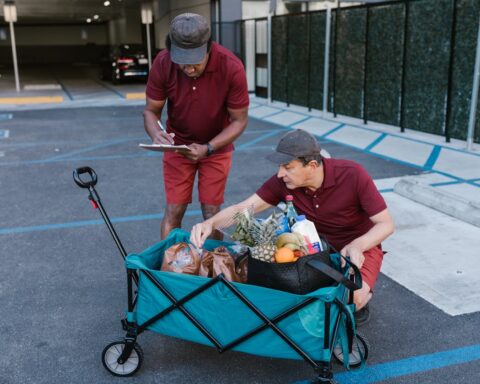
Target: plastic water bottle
(290,211)
(307,229)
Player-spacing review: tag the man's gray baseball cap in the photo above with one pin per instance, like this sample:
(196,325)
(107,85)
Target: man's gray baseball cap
(189,35)
(295,144)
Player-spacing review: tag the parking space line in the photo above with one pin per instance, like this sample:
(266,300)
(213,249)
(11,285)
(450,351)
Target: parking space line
(258,139)
(31,100)
(86,223)
(336,120)
(91,148)
(409,366)
(375,142)
(135,96)
(4,133)
(64,89)
(324,136)
(433,157)
(111,89)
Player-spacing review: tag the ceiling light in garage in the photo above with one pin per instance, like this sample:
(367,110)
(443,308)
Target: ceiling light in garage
(95,17)
(106,3)
(89,20)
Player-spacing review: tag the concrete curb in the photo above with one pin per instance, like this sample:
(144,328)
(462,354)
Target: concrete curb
(453,205)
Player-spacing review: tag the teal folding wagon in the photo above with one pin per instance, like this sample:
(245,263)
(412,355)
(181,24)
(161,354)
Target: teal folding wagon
(226,315)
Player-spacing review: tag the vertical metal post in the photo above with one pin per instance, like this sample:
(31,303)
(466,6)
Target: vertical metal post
(309,53)
(255,54)
(217,20)
(269,57)
(149,46)
(337,21)
(14,54)
(326,60)
(404,63)
(448,111)
(219,25)
(365,69)
(287,67)
(473,104)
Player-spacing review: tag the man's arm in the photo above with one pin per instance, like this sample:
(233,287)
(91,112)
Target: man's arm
(238,123)
(224,218)
(151,115)
(383,227)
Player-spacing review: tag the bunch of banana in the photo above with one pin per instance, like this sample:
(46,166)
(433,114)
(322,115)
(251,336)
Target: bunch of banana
(293,241)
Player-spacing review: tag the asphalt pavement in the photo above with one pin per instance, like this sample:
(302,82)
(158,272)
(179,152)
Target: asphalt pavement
(63,289)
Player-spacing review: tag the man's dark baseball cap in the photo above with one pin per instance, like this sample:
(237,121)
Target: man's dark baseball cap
(189,35)
(295,144)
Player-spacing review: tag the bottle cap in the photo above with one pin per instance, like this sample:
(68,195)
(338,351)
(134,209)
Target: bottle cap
(301,217)
(289,198)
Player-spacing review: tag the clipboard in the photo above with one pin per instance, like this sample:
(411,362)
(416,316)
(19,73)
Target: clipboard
(165,147)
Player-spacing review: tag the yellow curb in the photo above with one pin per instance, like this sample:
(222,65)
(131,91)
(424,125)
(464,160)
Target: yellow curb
(135,96)
(31,100)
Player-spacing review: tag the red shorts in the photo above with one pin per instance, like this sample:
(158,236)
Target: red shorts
(371,266)
(179,177)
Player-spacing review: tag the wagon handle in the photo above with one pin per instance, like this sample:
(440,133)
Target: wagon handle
(85,183)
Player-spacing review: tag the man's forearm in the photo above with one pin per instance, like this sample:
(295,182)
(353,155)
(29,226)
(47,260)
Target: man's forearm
(374,236)
(150,119)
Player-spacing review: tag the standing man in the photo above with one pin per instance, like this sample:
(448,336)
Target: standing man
(207,93)
(339,196)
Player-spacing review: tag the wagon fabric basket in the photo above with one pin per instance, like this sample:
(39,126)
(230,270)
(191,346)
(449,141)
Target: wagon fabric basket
(225,315)
(218,315)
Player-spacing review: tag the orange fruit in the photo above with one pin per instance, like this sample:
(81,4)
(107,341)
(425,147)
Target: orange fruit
(284,255)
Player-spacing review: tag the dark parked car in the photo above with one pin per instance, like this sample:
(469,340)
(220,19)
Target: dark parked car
(126,61)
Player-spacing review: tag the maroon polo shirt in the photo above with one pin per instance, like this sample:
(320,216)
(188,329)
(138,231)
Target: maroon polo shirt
(197,107)
(340,208)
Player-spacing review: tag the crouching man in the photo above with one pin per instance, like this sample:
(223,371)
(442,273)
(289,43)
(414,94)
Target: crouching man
(339,196)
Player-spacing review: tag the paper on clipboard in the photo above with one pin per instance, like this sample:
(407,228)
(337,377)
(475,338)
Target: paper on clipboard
(165,147)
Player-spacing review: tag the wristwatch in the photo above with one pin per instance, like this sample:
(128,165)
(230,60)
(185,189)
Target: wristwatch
(209,149)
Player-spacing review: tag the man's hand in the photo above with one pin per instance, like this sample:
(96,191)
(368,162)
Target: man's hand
(200,232)
(355,254)
(161,137)
(197,152)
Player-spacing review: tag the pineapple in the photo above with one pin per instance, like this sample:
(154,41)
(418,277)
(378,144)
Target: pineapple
(259,235)
(244,222)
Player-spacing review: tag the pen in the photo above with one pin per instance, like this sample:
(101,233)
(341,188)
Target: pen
(163,128)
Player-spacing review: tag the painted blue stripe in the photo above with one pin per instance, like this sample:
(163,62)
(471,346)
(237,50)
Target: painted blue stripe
(258,139)
(444,183)
(375,142)
(247,146)
(375,130)
(411,366)
(89,149)
(324,136)
(65,90)
(292,125)
(5,116)
(86,223)
(385,190)
(408,366)
(432,159)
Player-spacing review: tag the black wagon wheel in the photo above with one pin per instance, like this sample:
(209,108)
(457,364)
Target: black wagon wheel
(112,353)
(360,348)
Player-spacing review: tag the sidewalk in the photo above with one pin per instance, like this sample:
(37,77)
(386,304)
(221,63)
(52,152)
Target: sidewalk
(434,250)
